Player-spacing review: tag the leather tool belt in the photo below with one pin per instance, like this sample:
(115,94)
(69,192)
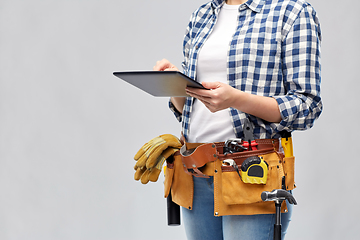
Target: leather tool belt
(196,155)
(231,195)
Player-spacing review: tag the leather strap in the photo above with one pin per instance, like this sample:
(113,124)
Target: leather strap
(196,156)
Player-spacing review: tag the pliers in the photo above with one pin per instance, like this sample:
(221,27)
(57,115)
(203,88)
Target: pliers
(249,140)
(233,145)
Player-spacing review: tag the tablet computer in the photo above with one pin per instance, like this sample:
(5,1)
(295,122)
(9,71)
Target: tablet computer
(159,83)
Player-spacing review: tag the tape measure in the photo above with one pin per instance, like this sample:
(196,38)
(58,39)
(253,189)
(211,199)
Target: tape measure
(254,170)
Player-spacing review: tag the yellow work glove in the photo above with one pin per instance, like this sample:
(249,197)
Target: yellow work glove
(152,156)
(152,174)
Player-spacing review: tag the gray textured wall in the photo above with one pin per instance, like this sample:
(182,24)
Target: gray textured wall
(69,129)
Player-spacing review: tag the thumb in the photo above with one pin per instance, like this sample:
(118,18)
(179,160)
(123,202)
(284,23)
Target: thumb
(211,85)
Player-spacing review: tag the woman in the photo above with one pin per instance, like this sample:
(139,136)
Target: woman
(261,60)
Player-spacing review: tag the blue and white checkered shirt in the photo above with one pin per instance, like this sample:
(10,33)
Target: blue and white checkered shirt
(274,52)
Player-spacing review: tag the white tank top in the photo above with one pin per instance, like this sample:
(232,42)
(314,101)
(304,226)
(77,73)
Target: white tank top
(206,126)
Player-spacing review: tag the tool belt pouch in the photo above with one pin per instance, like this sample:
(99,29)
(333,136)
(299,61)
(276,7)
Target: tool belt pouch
(179,182)
(234,197)
(235,191)
(181,169)
(289,171)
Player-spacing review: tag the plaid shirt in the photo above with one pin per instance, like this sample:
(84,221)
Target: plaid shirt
(274,52)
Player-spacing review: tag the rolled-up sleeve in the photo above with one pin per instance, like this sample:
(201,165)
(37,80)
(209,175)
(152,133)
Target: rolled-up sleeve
(177,114)
(302,104)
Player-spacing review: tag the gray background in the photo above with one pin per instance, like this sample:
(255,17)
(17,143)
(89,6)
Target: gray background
(69,129)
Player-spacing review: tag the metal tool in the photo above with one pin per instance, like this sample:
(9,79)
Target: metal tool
(232,163)
(249,140)
(233,145)
(278,196)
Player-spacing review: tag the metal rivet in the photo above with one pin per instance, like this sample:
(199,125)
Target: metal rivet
(215,155)
(213,146)
(194,165)
(285,210)
(216,214)
(189,208)
(216,171)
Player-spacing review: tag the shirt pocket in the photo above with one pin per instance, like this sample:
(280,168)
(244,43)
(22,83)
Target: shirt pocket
(262,51)
(261,60)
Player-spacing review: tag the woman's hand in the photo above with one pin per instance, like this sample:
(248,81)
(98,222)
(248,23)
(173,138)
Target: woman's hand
(219,97)
(165,65)
(222,96)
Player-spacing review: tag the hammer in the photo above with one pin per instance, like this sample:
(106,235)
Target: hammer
(278,196)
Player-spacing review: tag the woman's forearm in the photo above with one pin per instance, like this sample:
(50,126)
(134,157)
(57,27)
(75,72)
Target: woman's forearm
(262,107)
(178,103)
(222,96)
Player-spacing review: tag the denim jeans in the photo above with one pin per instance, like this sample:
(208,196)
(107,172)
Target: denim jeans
(200,223)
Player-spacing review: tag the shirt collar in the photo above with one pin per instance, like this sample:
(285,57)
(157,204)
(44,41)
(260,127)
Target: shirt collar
(255,5)
(217,3)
